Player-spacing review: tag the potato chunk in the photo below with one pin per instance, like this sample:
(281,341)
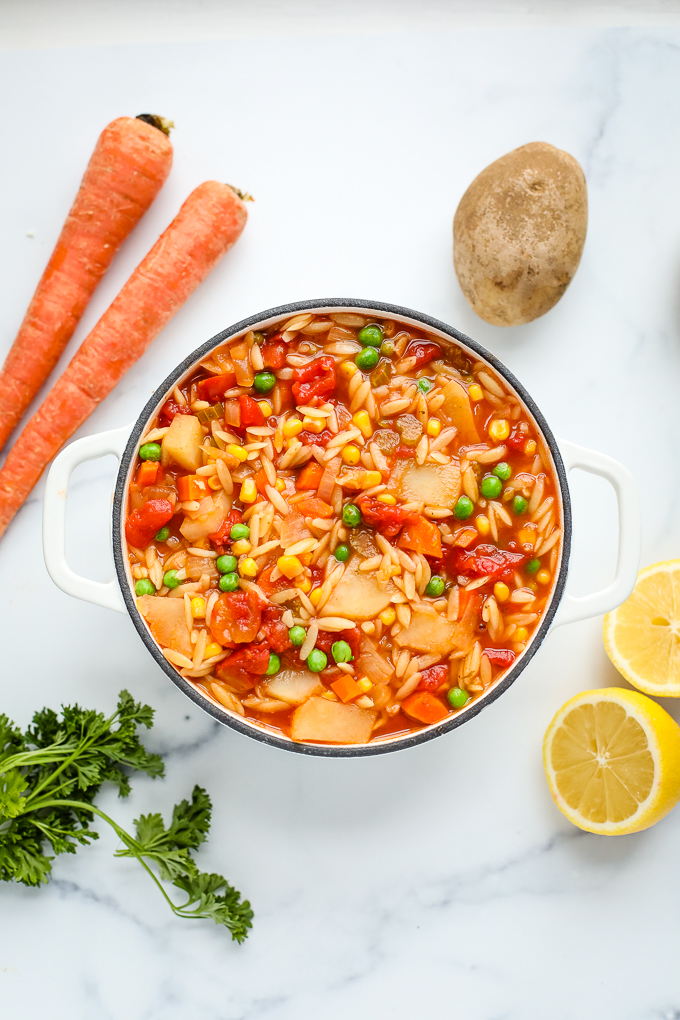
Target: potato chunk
(209,521)
(293,686)
(167,622)
(427,633)
(332,722)
(358,595)
(435,484)
(182,441)
(457,410)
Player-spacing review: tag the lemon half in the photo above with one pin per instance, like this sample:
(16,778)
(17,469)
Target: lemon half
(612,761)
(642,636)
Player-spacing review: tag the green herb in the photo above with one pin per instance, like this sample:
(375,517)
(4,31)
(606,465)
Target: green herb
(49,777)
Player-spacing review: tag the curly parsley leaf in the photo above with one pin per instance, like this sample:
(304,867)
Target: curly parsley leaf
(49,778)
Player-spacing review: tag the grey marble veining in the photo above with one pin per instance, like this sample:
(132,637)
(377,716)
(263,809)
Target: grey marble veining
(439,881)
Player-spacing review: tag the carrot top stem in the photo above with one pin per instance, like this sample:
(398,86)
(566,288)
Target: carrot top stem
(162,123)
(243,195)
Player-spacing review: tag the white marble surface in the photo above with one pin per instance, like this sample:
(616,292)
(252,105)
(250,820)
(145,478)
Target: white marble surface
(440,881)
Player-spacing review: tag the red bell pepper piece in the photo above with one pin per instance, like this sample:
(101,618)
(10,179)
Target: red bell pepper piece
(142,524)
(214,388)
(315,379)
(423,351)
(251,413)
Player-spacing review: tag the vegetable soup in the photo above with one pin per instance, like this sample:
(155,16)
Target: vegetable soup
(342,528)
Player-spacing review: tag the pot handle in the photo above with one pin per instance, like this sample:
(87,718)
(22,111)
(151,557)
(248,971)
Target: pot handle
(571,608)
(105,594)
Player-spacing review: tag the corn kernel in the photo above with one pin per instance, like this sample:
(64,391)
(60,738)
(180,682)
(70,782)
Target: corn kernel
(248,492)
(350,455)
(363,423)
(315,425)
(364,683)
(214,482)
(475,392)
(370,478)
(521,634)
(482,524)
(499,429)
(292,427)
(212,649)
(315,596)
(247,567)
(330,696)
(388,616)
(543,577)
(280,485)
(347,369)
(265,407)
(238,452)
(434,427)
(530,447)
(197,607)
(289,566)
(501,591)
(304,584)
(385,498)
(241,547)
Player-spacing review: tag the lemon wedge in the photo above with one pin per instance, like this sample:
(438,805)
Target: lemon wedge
(642,636)
(612,761)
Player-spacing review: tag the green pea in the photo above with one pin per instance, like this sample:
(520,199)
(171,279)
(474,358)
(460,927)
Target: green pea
(371,336)
(226,564)
(297,636)
(316,660)
(150,451)
(491,487)
(342,553)
(463,508)
(424,385)
(144,587)
(533,566)
(502,470)
(162,535)
(458,698)
(259,337)
(519,505)
(341,651)
(170,579)
(228,582)
(264,382)
(239,531)
(274,664)
(435,586)
(387,348)
(351,515)
(368,358)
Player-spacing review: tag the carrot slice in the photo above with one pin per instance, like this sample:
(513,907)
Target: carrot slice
(422,536)
(130,163)
(206,227)
(425,707)
(310,476)
(311,506)
(148,473)
(346,688)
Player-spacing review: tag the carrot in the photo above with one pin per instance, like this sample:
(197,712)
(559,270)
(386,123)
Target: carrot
(422,536)
(207,225)
(130,162)
(425,707)
(346,688)
(310,476)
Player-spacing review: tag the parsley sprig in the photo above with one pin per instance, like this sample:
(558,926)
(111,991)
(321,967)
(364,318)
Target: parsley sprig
(49,778)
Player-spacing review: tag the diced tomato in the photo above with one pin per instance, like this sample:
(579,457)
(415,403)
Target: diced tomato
(142,524)
(311,506)
(387,519)
(310,476)
(425,707)
(423,351)
(261,481)
(220,538)
(192,487)
(316,438)
(242,669)
(274,354)
(517,437)
(214,388)
(148,473)
(500,656)
(251,413)
(171,408)
(285,389)
(402,452)
(268,586)
(486,561)
(236,617)
(315,379)
(276,633)
(422,536)
(432,678)
(326,639)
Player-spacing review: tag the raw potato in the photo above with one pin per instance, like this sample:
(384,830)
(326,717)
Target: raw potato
(434,484)
(518,233)
(332,722)
(167,622)
(358,594)
(182,441)
(427,632)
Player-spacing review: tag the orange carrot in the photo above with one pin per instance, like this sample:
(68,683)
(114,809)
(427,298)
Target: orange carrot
(422,536)
(425,707)
(207,225)
(130,162)
(346,688)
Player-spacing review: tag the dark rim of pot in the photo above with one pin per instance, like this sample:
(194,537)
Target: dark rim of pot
(231,719)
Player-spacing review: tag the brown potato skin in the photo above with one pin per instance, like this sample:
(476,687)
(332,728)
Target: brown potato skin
(518,233)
